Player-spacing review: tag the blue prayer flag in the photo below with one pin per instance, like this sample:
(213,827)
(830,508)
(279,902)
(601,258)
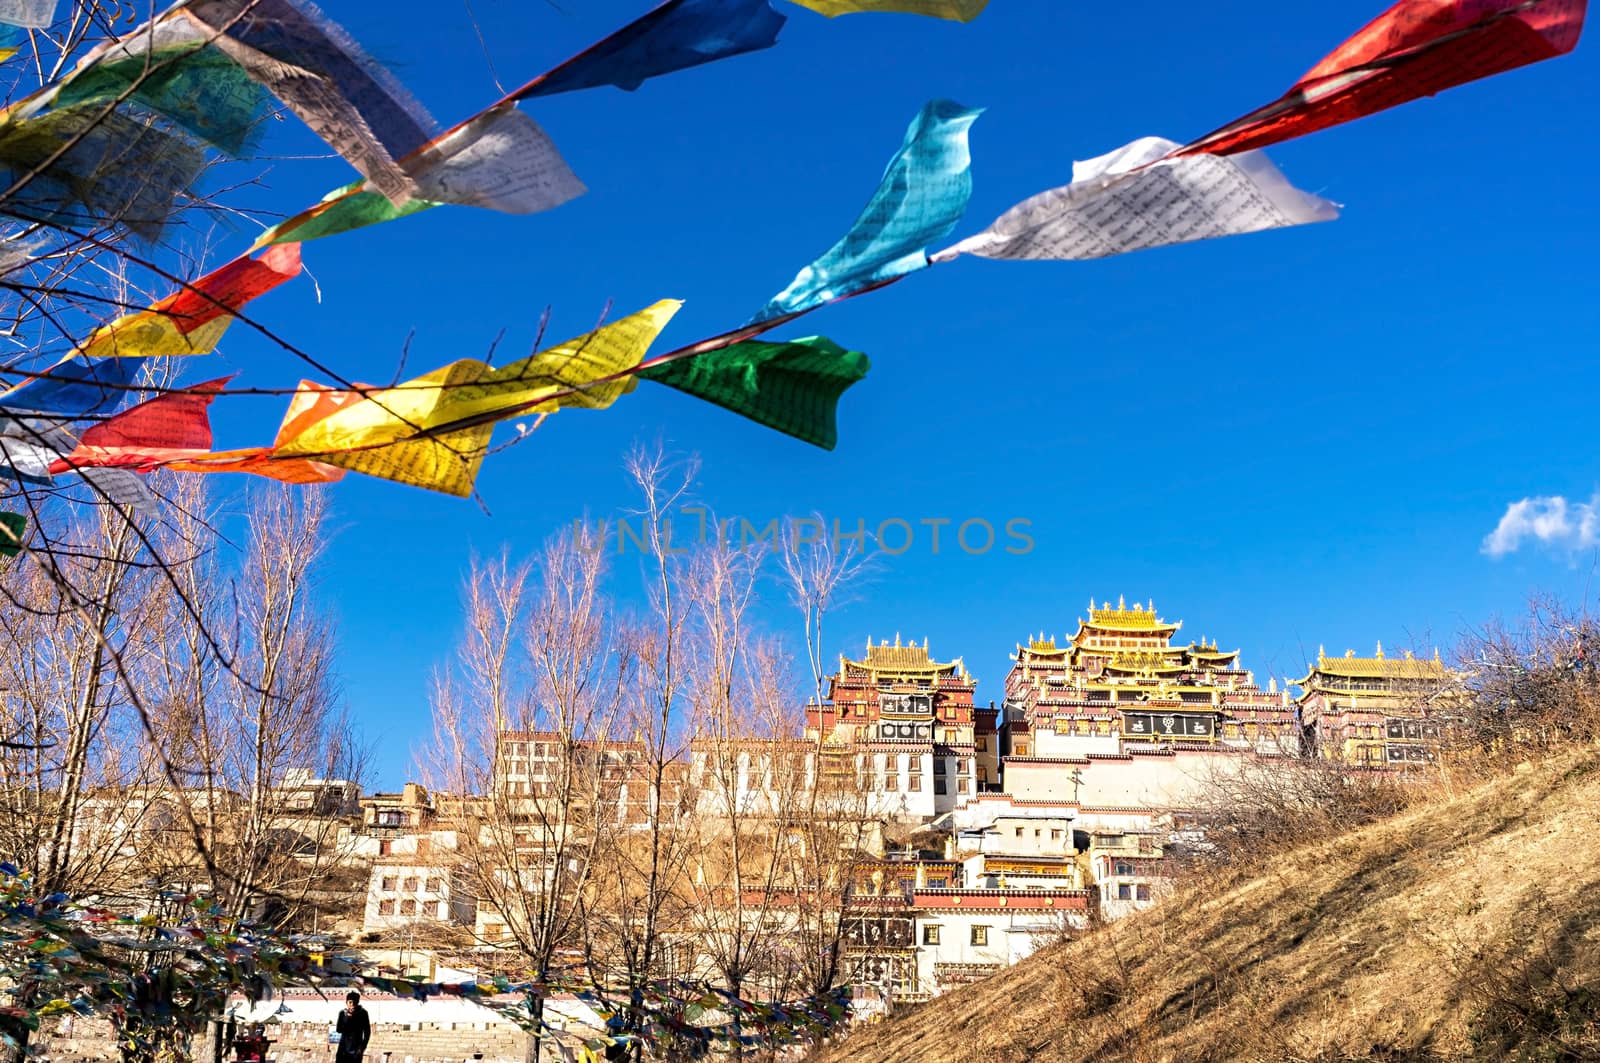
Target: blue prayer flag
(675,36)
(922,195)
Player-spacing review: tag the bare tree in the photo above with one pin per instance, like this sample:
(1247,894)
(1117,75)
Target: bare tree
(835,820)
(524,720)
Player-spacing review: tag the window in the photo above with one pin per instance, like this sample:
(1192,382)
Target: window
(1124,892)
(434,886)
(938,786)
(1036,832)
(916,784)
(1055,835)
(385,847)
(930,934)
(1143,892)
(980,935)
(1019,832)
(388,883)
(411,884)
(982,745)
(408,907)
(1123,868)
(385,907)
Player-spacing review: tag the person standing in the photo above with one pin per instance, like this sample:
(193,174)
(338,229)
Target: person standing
(353,1029)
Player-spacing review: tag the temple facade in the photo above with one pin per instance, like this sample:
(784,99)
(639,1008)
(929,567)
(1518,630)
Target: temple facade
(1121,684)
(908,720)
(1376,712)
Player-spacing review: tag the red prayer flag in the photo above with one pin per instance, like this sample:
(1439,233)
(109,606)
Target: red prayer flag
(1416,48)
(231,285)
(143,437)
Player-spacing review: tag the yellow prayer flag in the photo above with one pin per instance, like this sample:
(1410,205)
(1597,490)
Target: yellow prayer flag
(447,463)
(384,434)
(956,10)
(380,435)
(149,334)
(591,362)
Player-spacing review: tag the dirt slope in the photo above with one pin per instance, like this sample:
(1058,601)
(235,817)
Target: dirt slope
(1465,929)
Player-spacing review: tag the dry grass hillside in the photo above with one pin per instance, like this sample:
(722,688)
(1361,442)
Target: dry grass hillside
(1465,928)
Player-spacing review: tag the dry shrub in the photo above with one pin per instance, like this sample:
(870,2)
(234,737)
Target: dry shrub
(1262,807)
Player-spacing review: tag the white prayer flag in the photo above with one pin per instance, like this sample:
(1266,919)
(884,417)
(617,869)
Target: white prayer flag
(1136,198)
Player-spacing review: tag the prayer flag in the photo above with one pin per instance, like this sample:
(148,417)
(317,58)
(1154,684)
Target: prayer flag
(1416,48)
(922,195)
(675,36)
(791,386)
(12,528)
(192,320)
(170,426)
(324,77)
(1138,197)
(956,10)
(167,66)
(76,388)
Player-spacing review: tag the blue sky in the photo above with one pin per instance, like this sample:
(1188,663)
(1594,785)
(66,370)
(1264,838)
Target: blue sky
(1286,439)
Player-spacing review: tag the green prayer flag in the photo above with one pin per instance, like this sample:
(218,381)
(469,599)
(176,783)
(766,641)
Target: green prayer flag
(793,386)
(12,525)
(351,209)
(195,86)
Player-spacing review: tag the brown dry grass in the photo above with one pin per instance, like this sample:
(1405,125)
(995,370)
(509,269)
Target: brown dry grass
(1464,928)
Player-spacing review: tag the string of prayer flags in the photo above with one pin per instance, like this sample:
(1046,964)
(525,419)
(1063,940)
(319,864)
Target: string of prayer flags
(12,528)
(1416,48)
(955,10)
(791,386)
(82,167)
(921,197)
(193,319)
(29,14)
(1139,197)
(324,77)
(170,67)
(677,35)
(171,426)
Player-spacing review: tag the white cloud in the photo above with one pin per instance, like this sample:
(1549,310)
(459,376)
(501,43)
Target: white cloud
(1551,520)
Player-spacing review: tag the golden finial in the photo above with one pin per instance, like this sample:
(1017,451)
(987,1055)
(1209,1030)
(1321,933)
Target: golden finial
(1349,653)
(1380,649)
(1122,603)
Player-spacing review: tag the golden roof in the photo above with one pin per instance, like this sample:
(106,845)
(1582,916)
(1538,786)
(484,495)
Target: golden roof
(898,659)
(1377,667)
(1139,618)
